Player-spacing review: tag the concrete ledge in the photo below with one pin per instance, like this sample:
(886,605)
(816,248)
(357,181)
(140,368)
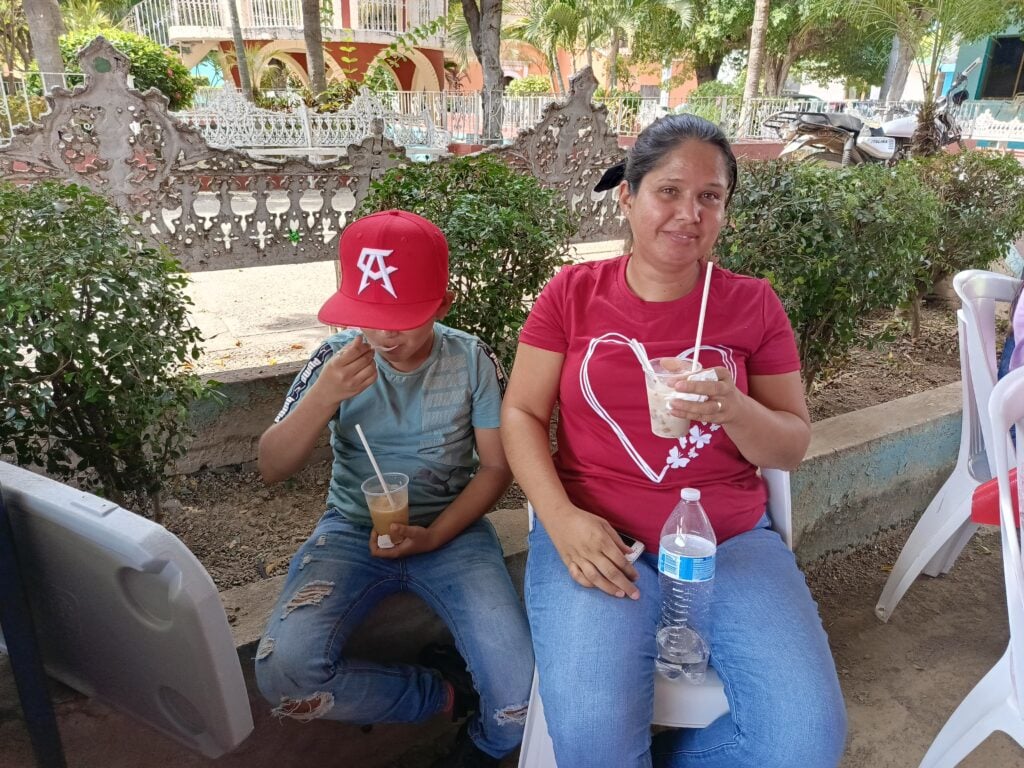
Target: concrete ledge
(228,428)
(873,468)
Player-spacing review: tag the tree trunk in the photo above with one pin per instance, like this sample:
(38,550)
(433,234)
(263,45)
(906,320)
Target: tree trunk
(556,74)
(890,69)
(45,26)
(772,79)
(900,71)
(755,59)
(925,141)
(484,23)
(613,60)
(313,35)
(241,60)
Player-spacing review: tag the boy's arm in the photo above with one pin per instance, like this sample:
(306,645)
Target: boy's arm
(287,445)
(477,498)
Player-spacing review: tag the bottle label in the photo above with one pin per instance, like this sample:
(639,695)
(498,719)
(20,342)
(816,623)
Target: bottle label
(686,568)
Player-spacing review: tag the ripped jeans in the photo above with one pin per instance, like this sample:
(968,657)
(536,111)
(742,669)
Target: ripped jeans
(332,584)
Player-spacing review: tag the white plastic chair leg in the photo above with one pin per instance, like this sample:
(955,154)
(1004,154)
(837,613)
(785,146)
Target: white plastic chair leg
(988,707)
(940,523)
(946,557)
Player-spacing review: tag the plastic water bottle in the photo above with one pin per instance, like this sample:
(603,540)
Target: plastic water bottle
(686,570)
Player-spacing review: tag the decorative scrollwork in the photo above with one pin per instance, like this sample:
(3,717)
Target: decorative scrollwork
(220,208)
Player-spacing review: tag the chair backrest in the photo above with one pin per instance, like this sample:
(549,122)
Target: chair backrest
(124,613)
(1006,408)
(979,291)
(780,504)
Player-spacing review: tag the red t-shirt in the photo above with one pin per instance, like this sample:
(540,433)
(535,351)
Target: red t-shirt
(608,459)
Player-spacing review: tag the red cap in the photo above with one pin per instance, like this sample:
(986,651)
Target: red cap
(394,273)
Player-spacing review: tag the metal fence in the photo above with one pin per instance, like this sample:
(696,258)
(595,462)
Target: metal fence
(460,115)
(154,18)
(21,97)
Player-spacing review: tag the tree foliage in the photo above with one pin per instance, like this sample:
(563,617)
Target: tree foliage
(15,42)
(153,66)
(96,342)
(930,29)
(835,244)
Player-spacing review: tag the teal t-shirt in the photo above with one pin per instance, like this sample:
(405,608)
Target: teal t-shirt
(419,423)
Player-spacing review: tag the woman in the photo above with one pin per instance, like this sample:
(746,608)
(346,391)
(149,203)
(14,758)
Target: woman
(592,614)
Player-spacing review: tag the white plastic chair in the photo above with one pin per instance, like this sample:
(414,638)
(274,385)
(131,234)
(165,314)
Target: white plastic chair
(677,703)
(994,704)
(945,527)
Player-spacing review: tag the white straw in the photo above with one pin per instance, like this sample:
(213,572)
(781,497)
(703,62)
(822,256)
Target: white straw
(373,461)
(700,320)
(641,355)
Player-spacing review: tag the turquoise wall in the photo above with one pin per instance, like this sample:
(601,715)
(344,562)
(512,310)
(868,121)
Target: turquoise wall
(979,48)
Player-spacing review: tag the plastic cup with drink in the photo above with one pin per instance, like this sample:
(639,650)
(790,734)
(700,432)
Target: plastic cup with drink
(388,502)
(387,498)
(662,376)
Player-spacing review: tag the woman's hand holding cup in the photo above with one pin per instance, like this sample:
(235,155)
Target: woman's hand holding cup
(720,401)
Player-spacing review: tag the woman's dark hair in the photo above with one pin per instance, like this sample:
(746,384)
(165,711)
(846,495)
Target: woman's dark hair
(660,138)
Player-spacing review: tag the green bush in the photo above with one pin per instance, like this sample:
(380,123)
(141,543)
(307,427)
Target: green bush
(153,66)
(703,100)
(531,85)
(96,343)
(22,113)
(835,244)
(505,232)
(981,207)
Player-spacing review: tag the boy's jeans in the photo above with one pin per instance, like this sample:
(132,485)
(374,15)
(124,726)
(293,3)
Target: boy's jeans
(332,584)
(595,656)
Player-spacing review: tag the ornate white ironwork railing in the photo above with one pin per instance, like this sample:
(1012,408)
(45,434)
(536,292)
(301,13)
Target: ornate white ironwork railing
(197,13)
(379,15)
(228,120)
(150,18)
(156,18)
(274,14)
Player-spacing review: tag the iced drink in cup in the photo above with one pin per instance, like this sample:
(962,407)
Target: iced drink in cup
(661,391)
(383,511)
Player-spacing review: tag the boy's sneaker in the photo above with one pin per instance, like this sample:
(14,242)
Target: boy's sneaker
(466,754)
(446,660)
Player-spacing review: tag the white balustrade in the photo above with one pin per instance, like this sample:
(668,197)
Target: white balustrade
(154,18)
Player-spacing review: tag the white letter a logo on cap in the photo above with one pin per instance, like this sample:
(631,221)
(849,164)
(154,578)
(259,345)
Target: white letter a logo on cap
(371,263)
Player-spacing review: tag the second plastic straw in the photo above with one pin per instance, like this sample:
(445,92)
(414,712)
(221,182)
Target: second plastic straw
(373,461)
(700,320)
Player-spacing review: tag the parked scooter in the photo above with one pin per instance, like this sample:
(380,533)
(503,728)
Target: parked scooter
(834,138)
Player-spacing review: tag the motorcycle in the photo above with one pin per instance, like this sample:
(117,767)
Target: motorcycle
(837,139)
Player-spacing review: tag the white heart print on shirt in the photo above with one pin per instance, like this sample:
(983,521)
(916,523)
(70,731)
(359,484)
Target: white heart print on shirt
(688,447)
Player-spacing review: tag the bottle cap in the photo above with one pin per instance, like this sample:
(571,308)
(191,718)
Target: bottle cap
(689,494)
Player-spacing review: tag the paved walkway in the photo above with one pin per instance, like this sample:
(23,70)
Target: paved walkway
(267,315)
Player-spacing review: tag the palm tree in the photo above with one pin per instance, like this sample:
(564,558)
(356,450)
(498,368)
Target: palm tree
(755,58)
(313,34)
(82,14)
(241,62)
(45,26)
(548,27)
(929,29)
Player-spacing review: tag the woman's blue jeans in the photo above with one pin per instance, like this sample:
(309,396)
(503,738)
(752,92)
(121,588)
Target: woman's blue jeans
(595,656)
(332,584)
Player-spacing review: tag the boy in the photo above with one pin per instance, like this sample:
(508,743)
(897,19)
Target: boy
(428,398)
